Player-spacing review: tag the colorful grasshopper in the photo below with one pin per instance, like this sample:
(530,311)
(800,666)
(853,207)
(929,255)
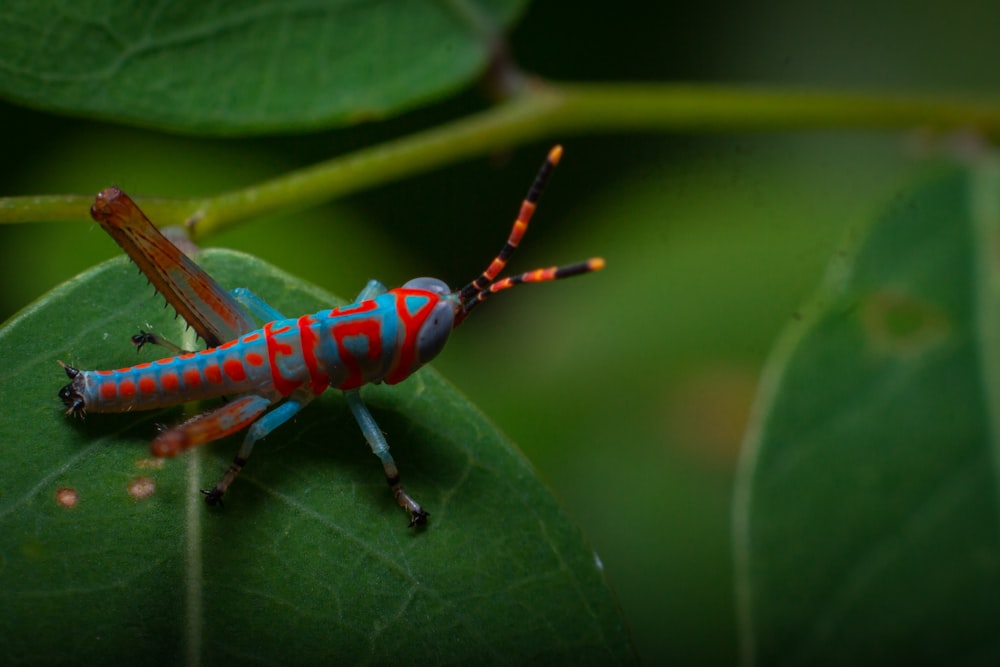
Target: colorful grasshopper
(384,336)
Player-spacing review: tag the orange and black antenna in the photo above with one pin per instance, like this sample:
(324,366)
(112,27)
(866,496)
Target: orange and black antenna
(486,284)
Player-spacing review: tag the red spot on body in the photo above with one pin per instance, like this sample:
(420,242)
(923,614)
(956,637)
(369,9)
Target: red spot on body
(108,390)
(147,385)
(141,366)
(234,369)
(105,372)
(169,381)
(188,355)
(127,388)
(250,338)
(213,373)
(226,346)
(192,377)
(164,362)
(254,359)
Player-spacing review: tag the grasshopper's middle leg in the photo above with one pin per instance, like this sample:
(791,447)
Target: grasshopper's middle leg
(272,420)
(227,419)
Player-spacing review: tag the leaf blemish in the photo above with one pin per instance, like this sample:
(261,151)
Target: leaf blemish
(141,488)
(901,325)
(67,497)
(150,463)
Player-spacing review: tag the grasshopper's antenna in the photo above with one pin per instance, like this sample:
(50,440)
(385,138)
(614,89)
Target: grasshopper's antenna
(536,276)
(482,287)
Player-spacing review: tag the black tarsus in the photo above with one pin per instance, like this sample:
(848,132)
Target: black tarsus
(213,497)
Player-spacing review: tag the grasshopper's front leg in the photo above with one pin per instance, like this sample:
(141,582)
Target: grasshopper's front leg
(373,434)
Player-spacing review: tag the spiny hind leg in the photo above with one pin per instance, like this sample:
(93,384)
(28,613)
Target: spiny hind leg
(272,420)
(373,434)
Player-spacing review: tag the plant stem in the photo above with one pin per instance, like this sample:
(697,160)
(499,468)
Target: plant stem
(545,109)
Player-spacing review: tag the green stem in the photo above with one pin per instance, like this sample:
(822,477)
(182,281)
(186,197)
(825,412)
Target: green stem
(545,110)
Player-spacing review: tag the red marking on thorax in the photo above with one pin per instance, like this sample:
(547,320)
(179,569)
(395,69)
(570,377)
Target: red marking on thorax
(310,341)
(354,308)
(369,327)
(274,348)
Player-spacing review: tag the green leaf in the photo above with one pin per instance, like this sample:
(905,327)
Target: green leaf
(866,508)
(236,68)
(310,561)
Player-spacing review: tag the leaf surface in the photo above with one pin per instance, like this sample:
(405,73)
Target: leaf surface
(866,509)
(236,68)
(310,560)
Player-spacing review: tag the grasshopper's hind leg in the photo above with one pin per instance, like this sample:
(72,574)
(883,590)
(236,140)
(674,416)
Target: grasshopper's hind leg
(373,434)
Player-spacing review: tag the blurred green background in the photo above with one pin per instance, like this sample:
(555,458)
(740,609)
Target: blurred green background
(627,389)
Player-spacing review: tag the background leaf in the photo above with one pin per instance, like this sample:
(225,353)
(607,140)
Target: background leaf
(236,68)
(866,513)
(310,560)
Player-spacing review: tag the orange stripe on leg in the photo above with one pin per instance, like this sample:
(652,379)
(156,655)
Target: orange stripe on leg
(210,426)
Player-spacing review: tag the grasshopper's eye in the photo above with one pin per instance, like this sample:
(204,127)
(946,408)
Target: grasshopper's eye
(437,325)
(429,285)
(435,330)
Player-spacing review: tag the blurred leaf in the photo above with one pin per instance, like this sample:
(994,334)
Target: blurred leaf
(310,560)
(866,510)
(243,67)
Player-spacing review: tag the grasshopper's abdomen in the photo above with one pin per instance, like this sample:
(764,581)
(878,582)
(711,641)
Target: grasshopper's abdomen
(232,368)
